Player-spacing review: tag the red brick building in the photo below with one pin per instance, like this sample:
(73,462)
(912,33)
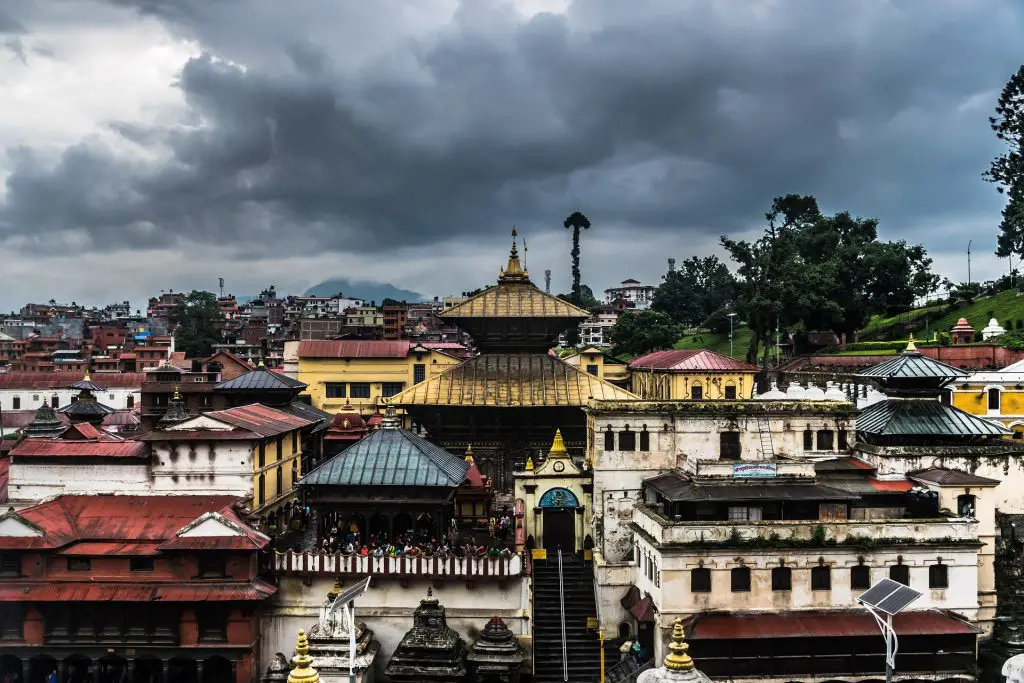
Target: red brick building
(130,589)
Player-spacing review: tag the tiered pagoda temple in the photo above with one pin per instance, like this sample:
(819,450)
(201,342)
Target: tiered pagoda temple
(508,401)
(85,407)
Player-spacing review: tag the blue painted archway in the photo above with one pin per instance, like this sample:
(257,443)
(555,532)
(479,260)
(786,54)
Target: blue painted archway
(559,498)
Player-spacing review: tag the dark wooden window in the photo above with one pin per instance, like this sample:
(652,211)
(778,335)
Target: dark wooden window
(938,576)
(335,389)
(141,564)
(740,579)
(79,564)
(700,580)
(295,441)
(860,577)
(16,403)
(130,402)
(205,401)
(825,440)
(359,390)
(843,439)
(782,579)
(993,399)
(389,389)
(212,566)
(609,440)
(10,564)
(729,445)
(592,369)
(645,439)
(213,623)
(627,440)
(696,392)
(262,454)
(419,372)
(280,480)
(730,392)
(901,573)
(12,617)
(808,440)
(261,494)
(821,578)
(55,401)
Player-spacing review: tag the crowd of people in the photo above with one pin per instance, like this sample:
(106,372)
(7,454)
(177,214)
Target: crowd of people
(410,545)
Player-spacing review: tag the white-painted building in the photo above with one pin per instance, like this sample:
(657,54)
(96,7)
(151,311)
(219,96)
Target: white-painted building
(631,290)
(29,390)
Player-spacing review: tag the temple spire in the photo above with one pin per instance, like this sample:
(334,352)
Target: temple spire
(558,446)
(911,347)
(677,659)
(303,663)
(469,454)
(514,271)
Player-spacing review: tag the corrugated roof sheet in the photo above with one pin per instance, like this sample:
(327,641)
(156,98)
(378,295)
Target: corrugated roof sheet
(261,419)
(260,379)
(678,489)
(511,379)
(84,591)
(59,448)
(199,435)
(944,477)
(390,457)
(353,349)
(911,365)
(93,548)
(921,417)
(514,300)
(5,472)
(690,360)
(64,380)
(818,624)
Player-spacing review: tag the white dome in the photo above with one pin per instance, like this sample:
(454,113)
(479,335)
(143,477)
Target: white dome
(795,391)
(834,393)
(814,392)
(772,394)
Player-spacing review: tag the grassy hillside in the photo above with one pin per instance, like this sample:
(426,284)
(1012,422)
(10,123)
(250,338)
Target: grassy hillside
(718,343)
(1008,305)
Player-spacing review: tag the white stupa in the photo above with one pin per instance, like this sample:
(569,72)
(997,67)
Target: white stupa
(794,391)
(993,329)
(773,394)
(834,393)
(813,392)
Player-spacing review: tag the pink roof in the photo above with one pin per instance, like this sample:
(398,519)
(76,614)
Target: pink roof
(690,360)
(260,419)
(353,349)
(57,448)
(62,380)
(5,471)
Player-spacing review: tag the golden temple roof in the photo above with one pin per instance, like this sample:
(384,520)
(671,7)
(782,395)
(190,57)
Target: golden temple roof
(514,297)
(523,380)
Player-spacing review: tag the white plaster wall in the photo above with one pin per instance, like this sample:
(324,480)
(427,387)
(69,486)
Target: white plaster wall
(387,608)
(31,399)
(31,482)
(212,467)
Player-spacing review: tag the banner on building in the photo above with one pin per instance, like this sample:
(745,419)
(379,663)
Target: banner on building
(754,470)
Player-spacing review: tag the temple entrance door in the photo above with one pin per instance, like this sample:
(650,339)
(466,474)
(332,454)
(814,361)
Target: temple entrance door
(560,530)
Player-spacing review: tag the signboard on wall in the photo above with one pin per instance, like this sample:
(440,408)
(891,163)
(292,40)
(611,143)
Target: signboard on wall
(754,470)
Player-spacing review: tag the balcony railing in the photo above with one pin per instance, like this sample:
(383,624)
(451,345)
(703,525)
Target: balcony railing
(852,531)
(333,564)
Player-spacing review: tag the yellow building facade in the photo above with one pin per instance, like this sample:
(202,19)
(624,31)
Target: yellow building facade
(695,374)
(996,395)
(364,374)
(599,364)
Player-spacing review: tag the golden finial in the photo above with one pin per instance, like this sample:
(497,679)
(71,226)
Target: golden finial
(86,378)
(911,347)
(177,394)
(677,659)
(335,590)
(558,446)
(261,365)
(529,464)
(514,271)
(469,454)
(303,663)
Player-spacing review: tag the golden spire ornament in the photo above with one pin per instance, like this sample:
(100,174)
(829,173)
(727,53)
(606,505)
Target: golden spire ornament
(469,454)
(911,346)
(677,659)
(303,671)
(558,446)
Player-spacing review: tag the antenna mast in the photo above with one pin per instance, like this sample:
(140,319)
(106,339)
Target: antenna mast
(547,281)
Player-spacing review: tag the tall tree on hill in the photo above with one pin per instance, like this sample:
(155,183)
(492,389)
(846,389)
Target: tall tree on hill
(195,324)
(698,288)
(576,221)
(1007,169)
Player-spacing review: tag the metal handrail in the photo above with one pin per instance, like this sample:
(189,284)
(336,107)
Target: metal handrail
(561,602)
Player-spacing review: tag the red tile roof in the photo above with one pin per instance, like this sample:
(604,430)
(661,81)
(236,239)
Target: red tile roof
(58,448)
(690,360)
(260,419)
(93,548)
(62,380)
(200,435)
(353,349)
(85,591)
(880,485)
(817,624)
(5,471)
(86,432)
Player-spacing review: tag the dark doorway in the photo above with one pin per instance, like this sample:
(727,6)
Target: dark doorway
(560,530)
(76,669)
(217,670)
(645,636)
(148,670)
(10,669)
(41,667)
(182,670)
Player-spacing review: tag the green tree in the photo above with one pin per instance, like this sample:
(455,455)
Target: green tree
(698,288)
(1007,169)
(195,324)
(640,332)
(576,221)
(586,298)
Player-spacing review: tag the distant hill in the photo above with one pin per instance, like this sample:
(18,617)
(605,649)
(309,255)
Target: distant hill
(370,291)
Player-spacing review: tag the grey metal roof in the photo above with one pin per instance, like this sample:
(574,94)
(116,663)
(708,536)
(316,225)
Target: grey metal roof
(86,385)
(912,365)
(302,409)
(679,489)
(260,379)
(390,457)
(920,417)
(944,477)
(85,408)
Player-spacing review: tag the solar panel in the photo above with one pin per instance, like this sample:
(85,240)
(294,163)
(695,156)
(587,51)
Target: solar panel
(353,592)
(888,596)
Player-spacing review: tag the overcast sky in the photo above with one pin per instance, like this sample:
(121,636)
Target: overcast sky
(155,144)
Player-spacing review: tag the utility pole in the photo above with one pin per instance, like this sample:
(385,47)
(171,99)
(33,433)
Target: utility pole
(969,261)
(1012,278)
(731,316)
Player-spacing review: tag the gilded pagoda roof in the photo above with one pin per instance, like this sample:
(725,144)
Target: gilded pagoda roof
(522,380)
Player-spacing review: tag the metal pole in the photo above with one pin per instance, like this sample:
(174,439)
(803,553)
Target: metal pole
(730,336)
(600,637)
(889,654)
(351,607)
(969,261)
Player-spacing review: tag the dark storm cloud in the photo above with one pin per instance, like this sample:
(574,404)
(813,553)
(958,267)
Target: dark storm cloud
(658,118)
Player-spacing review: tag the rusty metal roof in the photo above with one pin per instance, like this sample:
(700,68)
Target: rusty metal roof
(93,548)
(5,471)
(109,591)
(514,300)
(64,380)
(199,435)
(819,624)
(261,419)
(941,476)
(353,349)
(923,417)
(59,448)
(690,360)
(511,380)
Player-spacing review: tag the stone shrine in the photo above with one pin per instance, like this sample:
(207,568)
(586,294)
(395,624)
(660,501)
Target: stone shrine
(430,651)
(496,656)
(329,643)
(678,667)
